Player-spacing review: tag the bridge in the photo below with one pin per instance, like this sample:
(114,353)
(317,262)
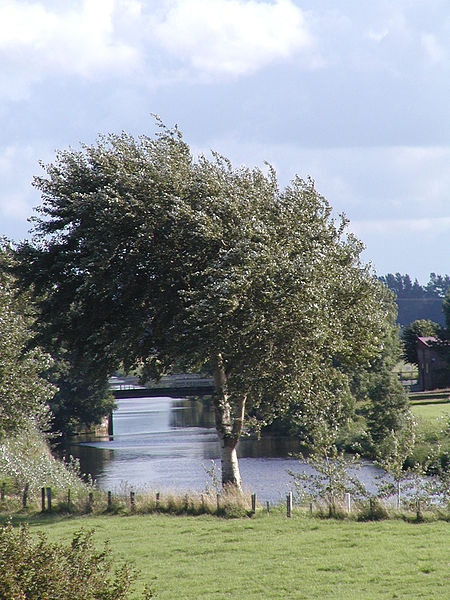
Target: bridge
(173,386)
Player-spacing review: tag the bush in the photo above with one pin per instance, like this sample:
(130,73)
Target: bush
(35,569)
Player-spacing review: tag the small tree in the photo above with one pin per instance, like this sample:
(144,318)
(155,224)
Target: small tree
(392,454)
(333,473)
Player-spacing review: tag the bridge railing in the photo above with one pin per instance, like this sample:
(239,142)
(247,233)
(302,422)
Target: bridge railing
(166,382)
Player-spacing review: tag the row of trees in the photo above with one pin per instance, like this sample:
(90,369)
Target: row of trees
(144,257)
(404,287)
(417,302)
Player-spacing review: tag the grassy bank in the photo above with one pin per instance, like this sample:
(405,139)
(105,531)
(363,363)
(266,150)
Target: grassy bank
(432,415)
(270,556)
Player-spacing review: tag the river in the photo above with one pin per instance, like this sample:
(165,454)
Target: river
(170,444)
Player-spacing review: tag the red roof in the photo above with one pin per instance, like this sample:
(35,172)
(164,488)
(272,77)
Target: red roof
(427,339)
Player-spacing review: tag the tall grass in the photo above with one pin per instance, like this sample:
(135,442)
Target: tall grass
(25,459)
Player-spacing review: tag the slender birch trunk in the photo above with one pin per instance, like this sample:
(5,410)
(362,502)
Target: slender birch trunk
(229,427)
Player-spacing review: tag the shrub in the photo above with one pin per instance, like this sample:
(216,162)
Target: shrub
(35,569)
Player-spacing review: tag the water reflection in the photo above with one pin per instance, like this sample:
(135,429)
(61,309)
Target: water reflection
(167,443)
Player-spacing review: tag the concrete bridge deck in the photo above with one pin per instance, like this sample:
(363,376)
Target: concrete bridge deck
(174,386)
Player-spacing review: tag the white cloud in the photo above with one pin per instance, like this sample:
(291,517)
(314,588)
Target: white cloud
(79,39)
(149,41)
(232,36)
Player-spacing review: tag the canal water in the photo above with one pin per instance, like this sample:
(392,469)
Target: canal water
(168,444)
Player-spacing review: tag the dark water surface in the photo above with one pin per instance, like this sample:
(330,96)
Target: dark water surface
(167,444)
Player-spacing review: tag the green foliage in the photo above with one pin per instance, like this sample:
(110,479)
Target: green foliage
(83,398)
(393,452)
(35,569)
(403,286)
(388,410)
(24,393)
(410,334)
(147,258)
(332,477)
(446,309)
(32,381)
(379,395)
(25,458)
(416,301)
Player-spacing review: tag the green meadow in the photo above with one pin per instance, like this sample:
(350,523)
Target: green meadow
(271,556)
(431,410)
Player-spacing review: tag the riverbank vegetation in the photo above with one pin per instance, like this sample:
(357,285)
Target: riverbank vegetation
(25,396)
(331,489)
(271,556)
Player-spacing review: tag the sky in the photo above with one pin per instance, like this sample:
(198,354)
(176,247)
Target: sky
(353,93)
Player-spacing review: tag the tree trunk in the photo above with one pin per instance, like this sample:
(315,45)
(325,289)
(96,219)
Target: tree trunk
(231,475)
(229,429)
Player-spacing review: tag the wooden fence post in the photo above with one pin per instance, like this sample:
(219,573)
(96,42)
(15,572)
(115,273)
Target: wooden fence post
(68,499)
(253,504)
(3,491)
(289,504)
(310,508)
(49,499)
(132,501)
(157,499)
(109,499)
(348,502)
(267,507)
(25,495)
(43,499)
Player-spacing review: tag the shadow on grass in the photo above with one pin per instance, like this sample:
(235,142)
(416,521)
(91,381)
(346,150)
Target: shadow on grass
(24,518)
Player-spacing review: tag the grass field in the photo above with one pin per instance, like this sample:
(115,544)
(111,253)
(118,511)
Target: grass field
(432,410)
(272,557)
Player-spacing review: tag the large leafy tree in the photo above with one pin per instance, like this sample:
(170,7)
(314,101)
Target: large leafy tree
(144,256)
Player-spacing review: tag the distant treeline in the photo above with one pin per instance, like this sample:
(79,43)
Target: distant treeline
(416,301)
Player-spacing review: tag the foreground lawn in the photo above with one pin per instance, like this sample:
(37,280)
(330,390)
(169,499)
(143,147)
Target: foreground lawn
(272,557)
